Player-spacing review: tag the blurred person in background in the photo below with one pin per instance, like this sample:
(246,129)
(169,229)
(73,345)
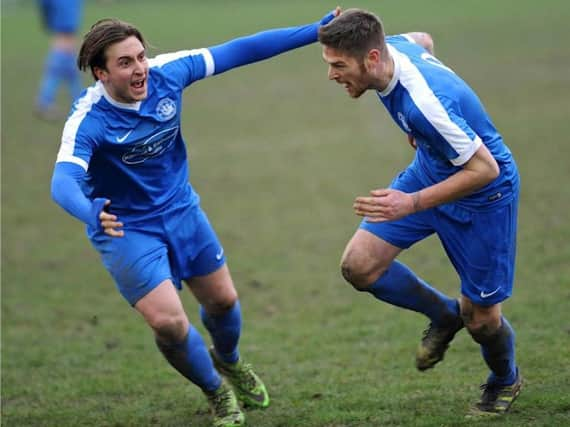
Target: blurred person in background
(62,20)
(122,169)
(462,185)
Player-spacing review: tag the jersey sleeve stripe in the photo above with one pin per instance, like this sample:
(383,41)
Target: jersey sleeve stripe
(165,58)
(465,155)
(432,109)
(83,106)
(72,159)
(209,60)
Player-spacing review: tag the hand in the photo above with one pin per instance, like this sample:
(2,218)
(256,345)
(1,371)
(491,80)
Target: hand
(412,141)
(109,222)
(331,15)
(383,205)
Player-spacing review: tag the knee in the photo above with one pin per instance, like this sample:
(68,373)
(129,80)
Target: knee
(481,327)
(221,305)
(359,271)
(169,328)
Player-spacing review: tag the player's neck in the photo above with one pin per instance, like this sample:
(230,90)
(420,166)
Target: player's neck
(385,73)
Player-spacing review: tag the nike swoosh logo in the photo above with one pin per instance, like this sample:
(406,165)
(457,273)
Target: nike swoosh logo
(487,295)
(124,137)
(220,254)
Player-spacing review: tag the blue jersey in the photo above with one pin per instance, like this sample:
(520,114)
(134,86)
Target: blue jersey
(448,121)
(134,153)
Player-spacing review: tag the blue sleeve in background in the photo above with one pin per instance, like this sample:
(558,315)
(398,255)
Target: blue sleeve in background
(66,192)
(263,45)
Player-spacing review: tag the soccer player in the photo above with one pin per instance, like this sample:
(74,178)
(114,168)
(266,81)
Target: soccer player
(122,170)
(462,185)
(61,18)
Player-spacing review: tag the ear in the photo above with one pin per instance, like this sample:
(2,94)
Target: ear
(101,74)
(373,56)
(372,59)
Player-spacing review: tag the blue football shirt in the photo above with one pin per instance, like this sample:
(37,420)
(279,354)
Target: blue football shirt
(134,154)
(448,121)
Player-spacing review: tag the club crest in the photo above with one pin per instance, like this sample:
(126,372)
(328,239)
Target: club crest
(166,109)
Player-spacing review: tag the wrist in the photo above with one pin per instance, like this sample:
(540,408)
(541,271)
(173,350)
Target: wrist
(96,207)
(416,199)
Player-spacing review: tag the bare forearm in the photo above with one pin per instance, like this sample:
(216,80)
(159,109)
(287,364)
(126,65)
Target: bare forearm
(480,170)
(459,185)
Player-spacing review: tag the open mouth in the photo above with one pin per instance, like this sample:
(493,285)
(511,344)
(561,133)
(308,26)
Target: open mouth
(138,84)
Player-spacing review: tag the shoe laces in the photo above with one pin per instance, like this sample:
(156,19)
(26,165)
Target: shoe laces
(222,402)
(428,330)
(490,392)
(437,332)
(431,331)
(245,374)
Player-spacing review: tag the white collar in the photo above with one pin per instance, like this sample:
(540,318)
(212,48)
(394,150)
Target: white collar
(396,76)
(135,106)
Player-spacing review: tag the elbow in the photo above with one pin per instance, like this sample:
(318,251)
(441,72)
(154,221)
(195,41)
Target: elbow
(54,194)
(55,190)
(427,42)
(493,171)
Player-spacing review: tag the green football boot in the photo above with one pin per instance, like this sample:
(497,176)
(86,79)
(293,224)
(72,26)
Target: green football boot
(435,343)
(249,389)
(496,400)
(225,407)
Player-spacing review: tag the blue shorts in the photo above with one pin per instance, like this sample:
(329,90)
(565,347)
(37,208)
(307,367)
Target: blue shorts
(480,244)
(61,16)
(177,245)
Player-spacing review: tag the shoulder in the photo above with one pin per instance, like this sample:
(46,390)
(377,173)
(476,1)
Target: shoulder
(202,55)
(402,41)
(85,117)
(183,67)
(423,39)
(399,38)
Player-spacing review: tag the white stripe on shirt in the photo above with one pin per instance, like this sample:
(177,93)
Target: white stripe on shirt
(430,106)
(160,60)
(83,106)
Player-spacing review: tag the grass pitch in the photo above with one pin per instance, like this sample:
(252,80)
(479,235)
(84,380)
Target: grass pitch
(278,153)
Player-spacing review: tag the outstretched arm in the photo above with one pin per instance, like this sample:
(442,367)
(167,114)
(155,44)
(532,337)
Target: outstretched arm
(263,45)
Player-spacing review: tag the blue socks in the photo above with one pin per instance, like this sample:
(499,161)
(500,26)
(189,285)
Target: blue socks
(191,357)
(498,350)
(60,66)
(225,330)
(192,360)
(401,287)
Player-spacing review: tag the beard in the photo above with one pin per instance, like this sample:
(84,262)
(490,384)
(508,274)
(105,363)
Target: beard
(356,92)
(361,86)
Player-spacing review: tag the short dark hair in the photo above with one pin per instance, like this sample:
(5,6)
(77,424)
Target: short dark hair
(355,32)
(102,34)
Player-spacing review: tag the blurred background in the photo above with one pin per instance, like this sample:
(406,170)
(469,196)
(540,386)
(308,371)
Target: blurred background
(278,153)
